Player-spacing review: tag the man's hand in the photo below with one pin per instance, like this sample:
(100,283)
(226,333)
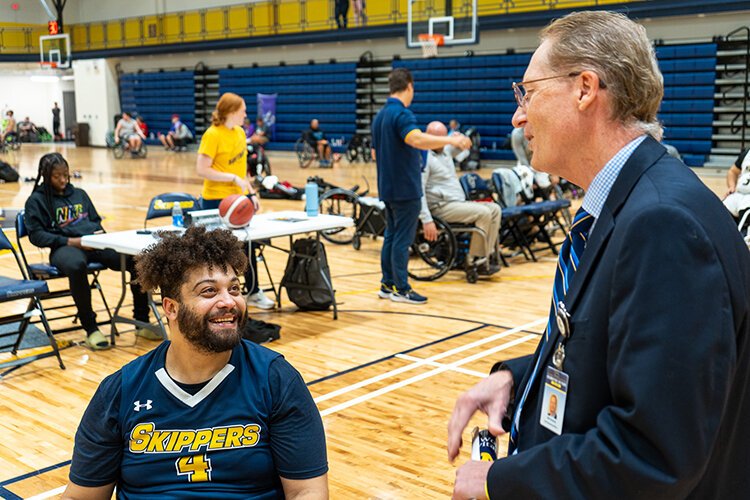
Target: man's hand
(460,141)
(470,480)
(430,231)
(490,396)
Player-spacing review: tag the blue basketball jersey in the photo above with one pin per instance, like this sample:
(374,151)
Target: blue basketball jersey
(231,439)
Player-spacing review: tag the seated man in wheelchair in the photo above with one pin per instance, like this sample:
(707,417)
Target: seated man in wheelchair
(8,131)
(316,138)
(130,133)
(57,215)
(444,198)
(178,136)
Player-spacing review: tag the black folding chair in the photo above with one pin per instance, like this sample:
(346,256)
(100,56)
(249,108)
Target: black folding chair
(161,205)
(11,290)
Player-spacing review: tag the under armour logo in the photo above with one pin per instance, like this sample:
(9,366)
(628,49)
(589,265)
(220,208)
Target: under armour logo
(137,405)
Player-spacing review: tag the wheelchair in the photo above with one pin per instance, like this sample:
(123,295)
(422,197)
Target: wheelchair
(428,260)
(120,148)
(10,143)
(306,154)
(359,149)
(257,161)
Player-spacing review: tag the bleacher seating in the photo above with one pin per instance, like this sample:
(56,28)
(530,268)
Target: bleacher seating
(687,110)
(323,91)
(157,96)
(476,91)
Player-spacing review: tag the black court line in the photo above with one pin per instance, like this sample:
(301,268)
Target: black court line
(35,473)
(391,356)
(7,495)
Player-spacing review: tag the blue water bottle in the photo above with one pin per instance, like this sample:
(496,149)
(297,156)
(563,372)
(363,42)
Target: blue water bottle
(177,219)
(311,198)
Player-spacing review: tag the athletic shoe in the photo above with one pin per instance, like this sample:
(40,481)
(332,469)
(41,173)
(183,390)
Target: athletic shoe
(260,300)
(409,296)
(97,341)
(488,269)
(385,291)
(148,334)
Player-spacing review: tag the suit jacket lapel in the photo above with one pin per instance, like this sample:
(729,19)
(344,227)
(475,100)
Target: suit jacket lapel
(643,158)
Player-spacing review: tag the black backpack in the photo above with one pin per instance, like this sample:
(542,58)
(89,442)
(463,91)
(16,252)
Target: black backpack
(307,278)
(8,173)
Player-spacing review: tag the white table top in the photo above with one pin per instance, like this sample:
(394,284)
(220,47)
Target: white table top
(262,226)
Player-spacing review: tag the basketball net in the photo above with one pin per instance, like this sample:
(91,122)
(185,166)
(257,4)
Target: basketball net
(430,44)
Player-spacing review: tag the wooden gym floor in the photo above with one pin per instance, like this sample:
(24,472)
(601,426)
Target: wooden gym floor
(385,376)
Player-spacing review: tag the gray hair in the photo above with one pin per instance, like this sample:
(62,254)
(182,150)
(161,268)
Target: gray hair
(618,50)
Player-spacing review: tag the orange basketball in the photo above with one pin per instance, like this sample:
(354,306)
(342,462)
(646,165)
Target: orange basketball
(236,211)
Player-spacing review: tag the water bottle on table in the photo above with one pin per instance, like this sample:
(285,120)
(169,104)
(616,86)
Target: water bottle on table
(311,198)
(177,218)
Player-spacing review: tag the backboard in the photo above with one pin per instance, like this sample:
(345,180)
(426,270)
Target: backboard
(54,51)
(455,20)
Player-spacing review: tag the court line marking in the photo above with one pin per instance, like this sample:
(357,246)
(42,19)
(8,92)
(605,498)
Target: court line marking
(48,494)
(422,376)
(422,361)
(456,350)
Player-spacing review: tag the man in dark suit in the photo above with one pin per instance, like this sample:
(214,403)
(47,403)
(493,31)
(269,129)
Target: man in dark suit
(648,333)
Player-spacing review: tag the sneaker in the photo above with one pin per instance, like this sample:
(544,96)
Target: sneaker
(148,334)
(385,291)
(97,341)
(260,300)
(488,269)
(409,296)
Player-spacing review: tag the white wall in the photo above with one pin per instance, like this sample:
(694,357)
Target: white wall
(29,12)
(33,99)
(97,98)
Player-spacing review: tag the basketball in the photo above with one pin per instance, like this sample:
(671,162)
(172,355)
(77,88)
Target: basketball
(236,211)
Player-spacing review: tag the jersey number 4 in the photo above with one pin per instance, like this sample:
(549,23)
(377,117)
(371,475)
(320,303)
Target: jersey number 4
(196,467)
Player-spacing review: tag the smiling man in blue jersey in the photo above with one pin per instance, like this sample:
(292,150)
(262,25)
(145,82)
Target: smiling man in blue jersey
(206,414)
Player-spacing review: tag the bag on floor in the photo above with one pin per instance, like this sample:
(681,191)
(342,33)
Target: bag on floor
(8,173)
(307,278)
(261,332)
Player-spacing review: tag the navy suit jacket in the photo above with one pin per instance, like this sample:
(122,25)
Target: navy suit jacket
(658,403)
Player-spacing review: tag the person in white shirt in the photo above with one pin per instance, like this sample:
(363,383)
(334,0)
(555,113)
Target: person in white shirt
(443,197)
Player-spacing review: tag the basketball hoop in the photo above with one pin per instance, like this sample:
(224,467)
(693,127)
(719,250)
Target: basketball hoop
(430,43)
(48,64)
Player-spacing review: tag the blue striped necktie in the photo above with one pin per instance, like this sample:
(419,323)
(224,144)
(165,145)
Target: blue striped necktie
(567,264)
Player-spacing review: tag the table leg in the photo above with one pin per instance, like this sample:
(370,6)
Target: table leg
(117,318)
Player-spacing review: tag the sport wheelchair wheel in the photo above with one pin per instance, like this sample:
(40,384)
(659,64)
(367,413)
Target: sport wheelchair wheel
(143,152)
(305,153)
(340,202)
(429,260)
(118,150)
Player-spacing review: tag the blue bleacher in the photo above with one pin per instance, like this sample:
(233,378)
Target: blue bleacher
(323,91)
(157,96)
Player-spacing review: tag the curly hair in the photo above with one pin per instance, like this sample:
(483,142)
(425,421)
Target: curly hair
(166,265)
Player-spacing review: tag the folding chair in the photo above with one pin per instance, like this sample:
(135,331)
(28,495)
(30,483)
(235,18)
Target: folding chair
(161,205)
(12,289)
(533,214)
(48,272)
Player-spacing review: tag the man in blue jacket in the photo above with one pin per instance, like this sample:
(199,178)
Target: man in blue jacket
(647,347)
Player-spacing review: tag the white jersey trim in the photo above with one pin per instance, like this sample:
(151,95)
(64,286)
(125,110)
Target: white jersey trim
(192,400)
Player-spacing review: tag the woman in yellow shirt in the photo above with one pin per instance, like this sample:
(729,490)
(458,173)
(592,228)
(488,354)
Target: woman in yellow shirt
(222,163)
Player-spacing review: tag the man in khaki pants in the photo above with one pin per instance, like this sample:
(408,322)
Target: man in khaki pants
(444,198)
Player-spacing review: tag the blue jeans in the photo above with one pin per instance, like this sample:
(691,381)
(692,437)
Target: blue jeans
(401,219)
(251,273)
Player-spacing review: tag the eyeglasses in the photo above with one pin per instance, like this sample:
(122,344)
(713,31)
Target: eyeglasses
(519,89)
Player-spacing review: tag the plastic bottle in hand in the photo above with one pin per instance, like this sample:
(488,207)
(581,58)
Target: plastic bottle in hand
(311,198)
(177,218)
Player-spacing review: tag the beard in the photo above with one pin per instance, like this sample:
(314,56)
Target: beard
(197,330)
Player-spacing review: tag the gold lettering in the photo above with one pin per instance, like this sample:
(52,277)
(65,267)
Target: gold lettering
(139,437)
(202,437)
(217,440)
(234,434)
(185,439)
(251,435)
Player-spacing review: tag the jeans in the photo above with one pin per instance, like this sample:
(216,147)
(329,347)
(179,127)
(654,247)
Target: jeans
(71,261)
(401,219)
(251,273)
